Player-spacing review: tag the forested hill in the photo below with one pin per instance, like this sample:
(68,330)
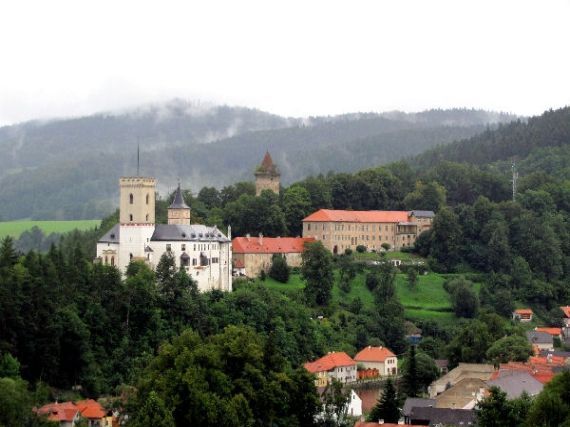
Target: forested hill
(68,169)
(513,141)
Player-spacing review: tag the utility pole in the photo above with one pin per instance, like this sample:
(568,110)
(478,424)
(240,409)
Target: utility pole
(515,178)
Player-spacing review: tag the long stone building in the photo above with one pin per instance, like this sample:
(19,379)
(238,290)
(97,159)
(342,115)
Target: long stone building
(339,230)
(205,252)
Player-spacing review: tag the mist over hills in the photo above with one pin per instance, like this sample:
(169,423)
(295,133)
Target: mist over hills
(69,168)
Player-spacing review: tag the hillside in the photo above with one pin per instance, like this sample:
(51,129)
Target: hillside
(68,169)
(515,140)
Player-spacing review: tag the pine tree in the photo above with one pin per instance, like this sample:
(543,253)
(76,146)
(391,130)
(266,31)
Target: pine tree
(410,376)
(279,269)
(387,406)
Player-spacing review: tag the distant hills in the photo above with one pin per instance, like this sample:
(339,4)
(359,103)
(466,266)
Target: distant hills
(68,169)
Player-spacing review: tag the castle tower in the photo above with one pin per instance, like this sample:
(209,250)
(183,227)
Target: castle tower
(178,211)
(267,176)
(136,217)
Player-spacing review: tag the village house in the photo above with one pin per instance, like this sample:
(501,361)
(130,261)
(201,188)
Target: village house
(204,252)
(334,365)
(69,414)
(554,332)
(379,358)
(523,314)
(251,255)
(515,383)
(540,340)
(463,370)
(339,230)
(566,321)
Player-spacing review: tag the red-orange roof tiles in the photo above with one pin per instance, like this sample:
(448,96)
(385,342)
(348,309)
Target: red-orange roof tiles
(551,331)
(329,361)
(566,310)
(64,411)
(91,409)
(373,354)
(326,215)
(523,311)
(269,245)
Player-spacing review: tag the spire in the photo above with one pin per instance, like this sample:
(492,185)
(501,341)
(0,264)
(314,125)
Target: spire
(267,166)
(267,162)
(178,202)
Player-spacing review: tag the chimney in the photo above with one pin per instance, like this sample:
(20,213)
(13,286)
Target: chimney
(260,239)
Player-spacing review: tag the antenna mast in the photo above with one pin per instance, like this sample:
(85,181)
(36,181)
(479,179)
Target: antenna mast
(515,178)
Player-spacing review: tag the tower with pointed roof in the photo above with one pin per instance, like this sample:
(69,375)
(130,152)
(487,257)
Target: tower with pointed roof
(178,211)
(267,176)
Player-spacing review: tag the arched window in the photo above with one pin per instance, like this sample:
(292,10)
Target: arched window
(131,198)
(146,217)
(131,217)
(113,261)
(147,197)
(131,256)
(106,260)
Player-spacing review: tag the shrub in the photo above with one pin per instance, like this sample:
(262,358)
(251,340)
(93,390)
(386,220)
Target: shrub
(279,269)
(361,249)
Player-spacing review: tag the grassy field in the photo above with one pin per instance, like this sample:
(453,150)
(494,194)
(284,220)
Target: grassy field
(428,300)
(374,256)
(15,228)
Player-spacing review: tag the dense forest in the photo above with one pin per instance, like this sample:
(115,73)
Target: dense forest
(67,169)
(165,351)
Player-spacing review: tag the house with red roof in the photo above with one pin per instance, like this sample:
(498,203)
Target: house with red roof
(566,320)
(250,255)
(379,358)
(68,414)
(554,332)
(334,365)
(523,314)
(339,230)
(64,413)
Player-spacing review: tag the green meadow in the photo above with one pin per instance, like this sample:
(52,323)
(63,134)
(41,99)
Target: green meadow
(15,228)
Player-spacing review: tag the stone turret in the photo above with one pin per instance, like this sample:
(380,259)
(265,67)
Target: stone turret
(179,211)
(267,176)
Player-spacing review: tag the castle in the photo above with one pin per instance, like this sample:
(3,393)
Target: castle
(267,176)
(204,252)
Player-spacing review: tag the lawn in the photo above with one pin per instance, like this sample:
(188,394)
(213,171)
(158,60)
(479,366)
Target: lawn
(15,228)
(428,300)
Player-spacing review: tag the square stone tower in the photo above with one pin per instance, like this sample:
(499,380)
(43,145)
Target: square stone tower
(136,218)
(267,176)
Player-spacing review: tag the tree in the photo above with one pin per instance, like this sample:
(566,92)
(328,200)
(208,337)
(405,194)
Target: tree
(412,277)
(510,349)
(410,374)
(279,269)
(347,271)
(153,413)
(317,271)
(446,240)
(430,196)
(296,206)
(426,372)
(335,405)
(551,407)
(387,407)
(470,344)
(496,411)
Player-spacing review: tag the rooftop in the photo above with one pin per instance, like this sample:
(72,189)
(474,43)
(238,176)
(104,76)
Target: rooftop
(539,337)
(331,215)
(566,310)
(178,201)
(514,383)
(329,361)
(269,245)
(373,354)
(187,233)
(550,331)
(445,416)
(416,402)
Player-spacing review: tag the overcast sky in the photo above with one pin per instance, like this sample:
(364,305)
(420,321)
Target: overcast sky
(295,58)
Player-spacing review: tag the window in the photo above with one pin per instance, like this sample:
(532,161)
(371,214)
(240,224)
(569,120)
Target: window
(113,261)
(183,247)
(131,217)
(184,261)
(147,198)
(130,256)
(194,261)
(131,198)
(215,260)
(309,227)
(168,247)
(106,260)
(146,217)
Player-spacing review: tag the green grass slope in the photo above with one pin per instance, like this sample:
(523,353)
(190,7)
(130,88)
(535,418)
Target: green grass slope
(16,228)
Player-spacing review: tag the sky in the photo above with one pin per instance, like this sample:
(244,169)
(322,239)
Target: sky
(294,58)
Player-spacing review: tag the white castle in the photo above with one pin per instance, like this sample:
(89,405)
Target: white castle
(205,252)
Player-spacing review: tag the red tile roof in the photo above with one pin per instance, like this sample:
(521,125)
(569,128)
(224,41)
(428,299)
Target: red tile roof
(64,411)
(566,310)
(523,311)
(551,331)
(269,245)
(373,354)
(369,424)
(91,409)
(329,361)
(329,215)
